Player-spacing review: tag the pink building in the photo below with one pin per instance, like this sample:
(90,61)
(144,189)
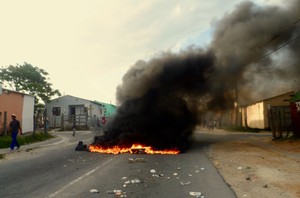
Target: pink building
(18,103)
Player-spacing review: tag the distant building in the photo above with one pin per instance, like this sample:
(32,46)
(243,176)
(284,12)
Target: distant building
(20,104)
(109,109)
(295,114)
(65,110)
(269,113)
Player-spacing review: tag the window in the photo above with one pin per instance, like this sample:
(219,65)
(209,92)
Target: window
(56,111)
(82,110)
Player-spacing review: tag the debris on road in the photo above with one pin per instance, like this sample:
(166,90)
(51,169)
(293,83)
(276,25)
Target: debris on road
(113,191)
(185,183)
(117,193)
(131,160)
(196,194)
(157,175)
(127,182)
(136,181)
(94,191)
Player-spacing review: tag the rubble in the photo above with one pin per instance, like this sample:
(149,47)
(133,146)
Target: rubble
(127,182)
(117,193)
(94,191)
(136,181)
(196,194)
(131,160)
(185,183)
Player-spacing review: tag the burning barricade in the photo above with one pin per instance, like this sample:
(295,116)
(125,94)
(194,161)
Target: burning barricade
(134,149)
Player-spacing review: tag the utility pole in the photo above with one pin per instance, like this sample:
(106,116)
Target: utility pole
(45,121)
(236,104)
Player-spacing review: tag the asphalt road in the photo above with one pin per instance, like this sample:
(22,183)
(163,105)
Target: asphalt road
(57,170)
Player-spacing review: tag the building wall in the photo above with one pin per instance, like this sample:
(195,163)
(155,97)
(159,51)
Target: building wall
(65,102)
(20,104)
(27,114)
(11,102)
(255,116)
(108,109)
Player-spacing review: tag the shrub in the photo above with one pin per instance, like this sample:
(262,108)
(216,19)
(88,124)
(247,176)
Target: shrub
(5,140)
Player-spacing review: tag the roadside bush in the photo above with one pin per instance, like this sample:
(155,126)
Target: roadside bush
(5,140)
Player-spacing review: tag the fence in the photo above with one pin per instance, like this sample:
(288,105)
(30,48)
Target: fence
(279,120)
(80,120)
(67,121)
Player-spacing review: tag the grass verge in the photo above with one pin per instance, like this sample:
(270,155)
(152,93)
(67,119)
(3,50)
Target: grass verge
(5,140)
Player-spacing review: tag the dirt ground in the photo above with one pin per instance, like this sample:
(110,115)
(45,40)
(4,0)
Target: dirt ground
(258,166)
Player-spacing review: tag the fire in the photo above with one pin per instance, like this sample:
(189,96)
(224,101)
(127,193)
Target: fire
(135,147)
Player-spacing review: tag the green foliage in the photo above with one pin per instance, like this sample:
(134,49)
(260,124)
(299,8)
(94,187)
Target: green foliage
(29,79)
(5,141)
(36,137)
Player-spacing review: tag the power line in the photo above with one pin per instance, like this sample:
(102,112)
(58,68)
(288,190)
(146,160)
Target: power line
(268,70)
(278,48)
(281,32)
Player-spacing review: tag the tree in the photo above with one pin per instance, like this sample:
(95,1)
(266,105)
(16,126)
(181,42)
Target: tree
(29,79)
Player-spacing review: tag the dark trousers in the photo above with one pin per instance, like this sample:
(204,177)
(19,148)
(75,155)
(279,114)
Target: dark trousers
(14,141)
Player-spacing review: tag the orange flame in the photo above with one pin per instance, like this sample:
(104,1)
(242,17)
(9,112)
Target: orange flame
(117,150)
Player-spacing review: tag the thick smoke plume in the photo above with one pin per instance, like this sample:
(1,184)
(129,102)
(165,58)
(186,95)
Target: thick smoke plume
(161,100)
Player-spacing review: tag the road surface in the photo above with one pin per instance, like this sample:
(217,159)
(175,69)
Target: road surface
(57,170)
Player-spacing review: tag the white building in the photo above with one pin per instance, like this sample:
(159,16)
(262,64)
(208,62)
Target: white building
(66,110)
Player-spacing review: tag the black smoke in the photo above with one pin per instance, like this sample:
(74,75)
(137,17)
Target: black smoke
(162,100)
(159,101)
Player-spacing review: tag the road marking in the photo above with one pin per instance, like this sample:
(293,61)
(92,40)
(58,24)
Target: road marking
(77,180)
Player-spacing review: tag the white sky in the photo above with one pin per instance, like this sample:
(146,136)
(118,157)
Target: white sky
(87,46)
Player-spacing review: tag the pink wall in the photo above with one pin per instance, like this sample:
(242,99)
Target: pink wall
(11,102)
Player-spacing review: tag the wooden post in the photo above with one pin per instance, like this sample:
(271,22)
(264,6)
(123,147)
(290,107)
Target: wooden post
(5,123)
(45,121)
(62,122)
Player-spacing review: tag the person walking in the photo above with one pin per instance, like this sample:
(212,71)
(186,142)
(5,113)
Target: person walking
(74,128)
(14,128)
